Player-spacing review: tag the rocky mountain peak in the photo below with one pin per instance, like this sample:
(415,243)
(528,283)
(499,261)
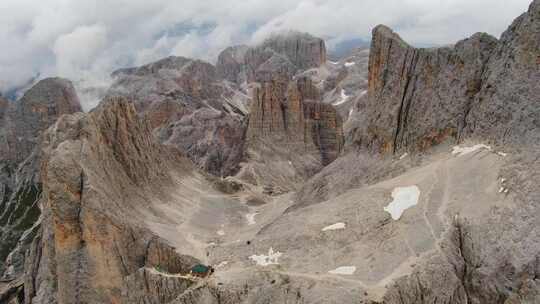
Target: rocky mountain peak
(39,108)
(230,62)
(287,120)
(285,53)
(304,50)
(436,203)
(22,124)
(428,96)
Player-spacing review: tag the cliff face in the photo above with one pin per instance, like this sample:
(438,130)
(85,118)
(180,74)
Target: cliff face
(289,123)
(184,101)
(230,63)
(293,115)
(507,106)
(100,173)
(33,113)
(421,97)
(21,125)
(283,55)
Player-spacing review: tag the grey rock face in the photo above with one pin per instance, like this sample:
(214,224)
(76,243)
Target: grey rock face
(87,251)
(35,112)
(289,125)
(507,107)
(184,101)
(480,87)
(125,217)
(21,125)
(230,63)
(284,54)
(419,97)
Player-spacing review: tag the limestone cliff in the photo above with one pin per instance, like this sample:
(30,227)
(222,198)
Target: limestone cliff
(281,54)
(101,172)
(21,125)
(289,123)
(185,101)
(480,87)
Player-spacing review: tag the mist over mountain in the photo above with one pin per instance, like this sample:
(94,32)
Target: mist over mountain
(87,40)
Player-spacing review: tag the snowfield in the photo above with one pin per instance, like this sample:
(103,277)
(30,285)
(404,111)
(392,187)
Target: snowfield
(343,98)
(335,226)
(265,260)
(346,270)
(404,198)
(460,151)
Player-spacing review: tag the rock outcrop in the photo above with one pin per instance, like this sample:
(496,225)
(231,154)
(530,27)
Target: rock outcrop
(289,124)
(507,106)
(480,87)
(115,210)
(21,125)
(293,115)
(186,105)
(101,173)
(230,63)
(281,54)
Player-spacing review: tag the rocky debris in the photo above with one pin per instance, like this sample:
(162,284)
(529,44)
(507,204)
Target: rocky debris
(21,125)
(10,292)
(99,173)
(421,97)
(152,287)
(185,103)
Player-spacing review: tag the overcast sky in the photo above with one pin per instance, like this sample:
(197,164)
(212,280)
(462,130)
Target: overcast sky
(87,39)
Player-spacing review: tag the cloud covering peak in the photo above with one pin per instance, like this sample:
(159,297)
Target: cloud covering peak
(85,40)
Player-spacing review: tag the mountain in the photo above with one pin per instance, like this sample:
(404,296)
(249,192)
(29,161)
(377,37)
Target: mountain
(21,124)
(257,181)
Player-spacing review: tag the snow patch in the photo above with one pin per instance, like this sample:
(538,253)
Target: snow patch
(220,232)
(403,156)
(502,154)
(333,62)
(265,260)
(335,226)
(349,64)
(343,98)
(403,199)
(222,264)
(250,217)
(346,270)
(364,92)
(460,151)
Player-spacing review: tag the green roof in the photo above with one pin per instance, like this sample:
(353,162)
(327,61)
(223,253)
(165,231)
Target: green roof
(199,268)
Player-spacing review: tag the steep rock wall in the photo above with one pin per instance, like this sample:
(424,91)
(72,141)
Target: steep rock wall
(100,174)
(480,87)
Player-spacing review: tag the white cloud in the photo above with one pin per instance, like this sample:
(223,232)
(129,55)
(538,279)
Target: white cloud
(78,50)
(91,38)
